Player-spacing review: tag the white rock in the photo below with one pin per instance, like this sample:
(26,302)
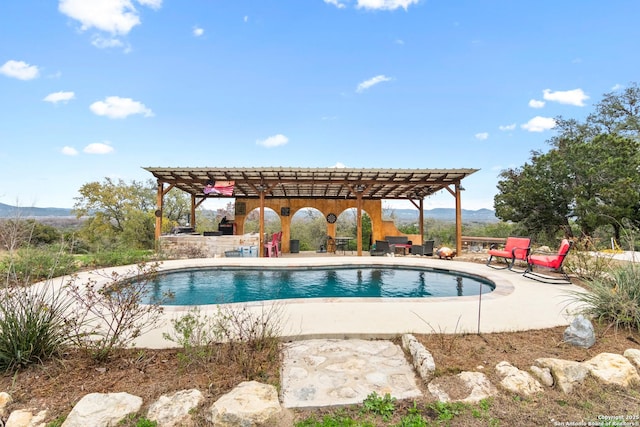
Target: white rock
(174,410)
(5,399)
(543,374)
(633,354)
(102,410)
(566,373)
(613,369)
(250,403)
(422,359)
(25,418)
(516,380)
(477,385)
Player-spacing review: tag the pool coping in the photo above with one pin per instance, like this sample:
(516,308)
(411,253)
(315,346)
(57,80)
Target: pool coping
(517,303)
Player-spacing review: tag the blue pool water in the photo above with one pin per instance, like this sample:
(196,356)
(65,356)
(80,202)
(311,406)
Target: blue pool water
(226,285)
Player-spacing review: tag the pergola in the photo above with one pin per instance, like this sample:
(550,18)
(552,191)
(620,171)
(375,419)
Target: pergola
(262,185)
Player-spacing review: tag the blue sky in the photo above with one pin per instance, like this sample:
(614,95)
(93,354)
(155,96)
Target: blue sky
(103,88)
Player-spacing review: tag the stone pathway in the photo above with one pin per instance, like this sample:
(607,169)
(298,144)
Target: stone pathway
(321,372)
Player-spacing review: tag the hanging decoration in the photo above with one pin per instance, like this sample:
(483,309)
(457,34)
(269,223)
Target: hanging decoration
(221,188)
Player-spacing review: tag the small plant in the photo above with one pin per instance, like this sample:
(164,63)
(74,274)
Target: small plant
(614,298)
(193,332)
(383,406)
(412,420)
(57,422)
(446,411)
(113,315)
(137,421)
(332,421)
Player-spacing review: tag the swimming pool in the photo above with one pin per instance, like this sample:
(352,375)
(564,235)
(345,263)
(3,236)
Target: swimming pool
(218,285)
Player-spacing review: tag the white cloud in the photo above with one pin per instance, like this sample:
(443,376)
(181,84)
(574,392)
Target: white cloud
(482,136)
(399,41)
(534,103)
(246,18)
(336,3)
(69,151)
(98,148)
(386,4)
(115,107)
(197,31)
(56,97)
(338,165)
(372,82)
(512,126)
(273,141)
(105,42)
(539,124)
(616,87)
(19,70)
(571,97)
(112,16)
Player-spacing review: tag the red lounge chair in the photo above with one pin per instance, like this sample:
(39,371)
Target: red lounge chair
(551,262)
(516,248)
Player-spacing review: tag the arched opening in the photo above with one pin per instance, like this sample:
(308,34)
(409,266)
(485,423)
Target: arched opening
(309,228)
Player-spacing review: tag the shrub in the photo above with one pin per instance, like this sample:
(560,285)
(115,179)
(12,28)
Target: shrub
(30,265)
(253,335)
(613,298)
(33,326)
(113,315)
(115,257)
(582,263)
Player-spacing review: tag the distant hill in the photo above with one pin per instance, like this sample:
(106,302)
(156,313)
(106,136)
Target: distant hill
(402,215)
(447,214)
(8,211)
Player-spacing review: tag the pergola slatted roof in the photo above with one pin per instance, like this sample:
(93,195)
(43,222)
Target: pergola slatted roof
(316,183)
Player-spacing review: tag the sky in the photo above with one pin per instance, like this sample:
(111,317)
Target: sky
(102,88)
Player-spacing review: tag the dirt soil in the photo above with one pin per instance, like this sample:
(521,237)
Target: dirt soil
(58,384)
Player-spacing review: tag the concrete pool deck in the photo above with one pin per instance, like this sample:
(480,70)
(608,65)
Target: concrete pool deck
(517,303)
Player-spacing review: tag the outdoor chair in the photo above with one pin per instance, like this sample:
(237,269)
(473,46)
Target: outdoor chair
(424,249)
(272,248)
(552,262)
(516,248)
(381,248)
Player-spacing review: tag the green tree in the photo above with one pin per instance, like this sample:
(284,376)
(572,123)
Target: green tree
(536,196)
(590,175)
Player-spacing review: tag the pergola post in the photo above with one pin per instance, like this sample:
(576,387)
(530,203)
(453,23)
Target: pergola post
(193,212)
(261,237)
(458,220)
(456,193)
(159,207)
(359,223)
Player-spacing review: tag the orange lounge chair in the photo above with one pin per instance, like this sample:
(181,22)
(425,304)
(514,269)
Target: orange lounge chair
(552,262)
(516,248)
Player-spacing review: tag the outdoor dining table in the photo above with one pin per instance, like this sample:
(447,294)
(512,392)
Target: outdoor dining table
(343,242)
